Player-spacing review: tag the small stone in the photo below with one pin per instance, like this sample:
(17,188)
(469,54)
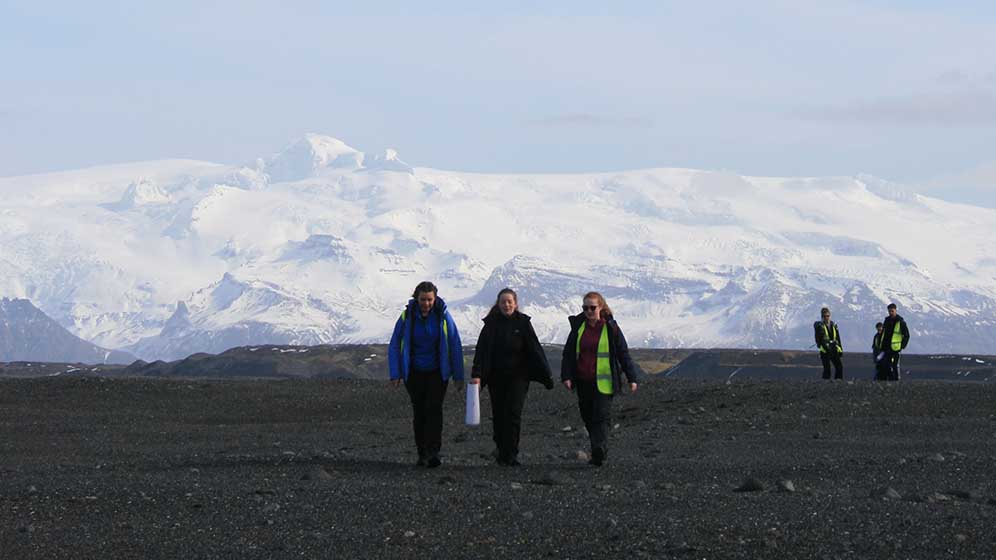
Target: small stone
(32,490)
(936,457)
(582,456)
(271,508)
(566,429)
(615,427)
(786,486)
(516,486)
(527,515)
(549,479)
(195,470)
(409,534)
(888,493)
(750,484)
(961,537)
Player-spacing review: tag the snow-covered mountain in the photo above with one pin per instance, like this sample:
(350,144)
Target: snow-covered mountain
(323,243)
(27,334)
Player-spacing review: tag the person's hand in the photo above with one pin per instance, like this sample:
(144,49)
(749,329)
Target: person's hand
(568,384)
(475,381)
(396,382)
(632,387)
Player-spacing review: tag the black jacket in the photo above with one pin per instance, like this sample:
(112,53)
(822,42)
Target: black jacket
(619,358)
(877,344)
(888,326)
(536,364)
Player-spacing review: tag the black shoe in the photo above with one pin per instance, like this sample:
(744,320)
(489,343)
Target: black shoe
(514,463)
(421,462)
(597,457)
(433,462)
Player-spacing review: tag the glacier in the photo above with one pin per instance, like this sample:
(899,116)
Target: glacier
(321,243)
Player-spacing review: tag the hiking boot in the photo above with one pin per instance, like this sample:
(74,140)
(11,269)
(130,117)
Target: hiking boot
(597,457)
(433,462)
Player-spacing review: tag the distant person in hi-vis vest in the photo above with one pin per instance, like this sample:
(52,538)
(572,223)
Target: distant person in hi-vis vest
(895,335)
(878,354)
(828,341)
(595,359)
(425,353)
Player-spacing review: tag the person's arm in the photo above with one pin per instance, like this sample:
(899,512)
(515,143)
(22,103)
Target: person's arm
(567,364)
(906,334)
(394,351)
(456,351)
(622,353)
(542,365)
(480,353)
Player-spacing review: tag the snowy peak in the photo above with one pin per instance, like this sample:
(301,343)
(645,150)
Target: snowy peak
(387,160)
(142,192)
(309,155)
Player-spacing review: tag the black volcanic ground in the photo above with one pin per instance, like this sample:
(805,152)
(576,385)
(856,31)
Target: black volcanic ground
(96,467)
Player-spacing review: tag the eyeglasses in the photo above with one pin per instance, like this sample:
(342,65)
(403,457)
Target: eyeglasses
(589,307)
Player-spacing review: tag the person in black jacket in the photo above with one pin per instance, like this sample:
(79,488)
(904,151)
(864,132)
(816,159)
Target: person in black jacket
(878,354)
(595,359)
(508,356)
(828,341)
(895,335)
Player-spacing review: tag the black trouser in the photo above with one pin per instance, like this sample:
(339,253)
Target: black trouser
(508,395)
(838,367)
(596,409)
(427,389)
(882,369)
(892,358)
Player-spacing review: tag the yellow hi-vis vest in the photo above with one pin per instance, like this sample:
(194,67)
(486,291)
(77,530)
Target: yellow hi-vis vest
(831,339)
(603,366)
(897,337)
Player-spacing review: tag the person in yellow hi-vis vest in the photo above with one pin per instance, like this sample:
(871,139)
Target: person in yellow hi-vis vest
(896,337)
(828,341)
(595,359)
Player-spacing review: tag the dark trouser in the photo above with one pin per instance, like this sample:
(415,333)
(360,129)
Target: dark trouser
(882,369)
(596,411)
(838,367)
(427,389)
(892,360)
(508,395)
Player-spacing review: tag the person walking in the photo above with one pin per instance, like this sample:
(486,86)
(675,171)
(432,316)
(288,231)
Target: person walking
(828,341)
(425,353)
(507,357)
(595,359)
(878,354)
(896,336)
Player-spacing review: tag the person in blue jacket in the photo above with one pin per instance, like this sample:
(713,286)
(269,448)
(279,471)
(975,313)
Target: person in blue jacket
(424,354)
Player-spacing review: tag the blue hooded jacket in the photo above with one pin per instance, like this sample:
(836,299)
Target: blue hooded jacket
(450,349)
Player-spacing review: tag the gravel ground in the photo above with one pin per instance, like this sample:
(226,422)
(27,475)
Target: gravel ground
(143,468)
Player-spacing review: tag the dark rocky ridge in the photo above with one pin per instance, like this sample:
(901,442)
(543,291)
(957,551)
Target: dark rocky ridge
(166,468)
(369,361)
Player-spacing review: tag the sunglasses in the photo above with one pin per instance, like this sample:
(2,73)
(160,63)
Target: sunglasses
(589,307)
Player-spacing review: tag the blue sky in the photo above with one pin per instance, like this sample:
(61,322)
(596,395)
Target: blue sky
(902,90)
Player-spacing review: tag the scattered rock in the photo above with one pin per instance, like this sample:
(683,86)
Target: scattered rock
(936,457)
(549,479)
(960,537)
(582,456)
(886,492)
(317,474)
(409,534)
(750,484)
(516,486)
(527,515)
(786,486)
(566,429)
